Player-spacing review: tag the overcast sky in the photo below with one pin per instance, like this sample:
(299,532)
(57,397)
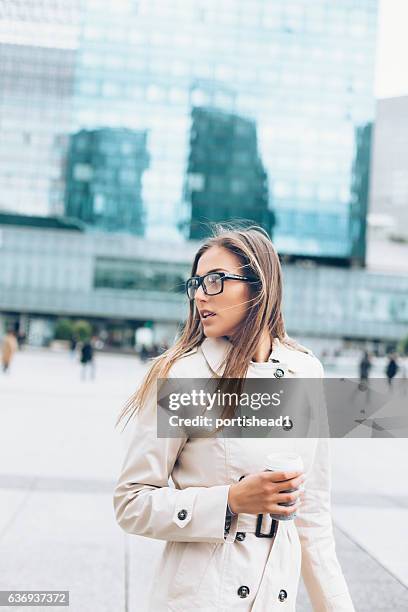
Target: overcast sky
(392,49)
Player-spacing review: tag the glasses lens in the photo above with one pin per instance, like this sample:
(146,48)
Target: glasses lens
(191,287)
(213,284)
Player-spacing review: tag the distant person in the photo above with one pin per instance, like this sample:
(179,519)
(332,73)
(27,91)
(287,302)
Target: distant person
(155,350)
(9,347)
(87,359)
(404,373)
(73,346)
(144,353)
(365,367)
(21,339)
(391,368)
(404,367)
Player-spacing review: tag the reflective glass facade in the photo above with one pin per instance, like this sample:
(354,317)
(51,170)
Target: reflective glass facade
(38,53)
(301,71)
(103,180)
(138,275)
(225,176)
(55,271)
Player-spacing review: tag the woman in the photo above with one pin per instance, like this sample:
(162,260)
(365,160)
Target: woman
(214,559)
(9,347)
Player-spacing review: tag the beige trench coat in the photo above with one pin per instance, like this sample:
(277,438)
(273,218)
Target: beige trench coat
(201,568)
(9,347)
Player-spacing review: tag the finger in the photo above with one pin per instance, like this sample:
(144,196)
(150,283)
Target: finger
(295,483)
(289,498)
(286,510)
(289,485)
(282,476)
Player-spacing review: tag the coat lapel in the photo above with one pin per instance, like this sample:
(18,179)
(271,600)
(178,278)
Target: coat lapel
(215,351)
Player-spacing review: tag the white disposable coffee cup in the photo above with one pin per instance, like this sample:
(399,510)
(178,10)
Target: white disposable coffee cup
(284,462)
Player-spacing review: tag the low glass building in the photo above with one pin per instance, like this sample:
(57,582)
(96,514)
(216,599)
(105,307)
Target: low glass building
(120,283)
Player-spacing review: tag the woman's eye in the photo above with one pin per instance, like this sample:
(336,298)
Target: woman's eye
(212,279)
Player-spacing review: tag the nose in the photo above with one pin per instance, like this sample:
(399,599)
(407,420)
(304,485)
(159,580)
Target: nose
(200,295)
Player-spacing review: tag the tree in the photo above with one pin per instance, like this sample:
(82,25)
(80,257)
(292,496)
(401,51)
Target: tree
(82,330)
(403,346)
(63,330)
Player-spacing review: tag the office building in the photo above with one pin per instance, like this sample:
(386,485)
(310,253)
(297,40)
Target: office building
(39,44)
(51,268)
(104,179)
(225,176)
(389,184)
(301,72)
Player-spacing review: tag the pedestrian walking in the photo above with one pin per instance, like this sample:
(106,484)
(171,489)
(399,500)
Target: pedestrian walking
(9,347)
(404,373)
(144,353)
(73,346)
(364,367)
(216,557)
(21,339)
(87,360)
(391,368)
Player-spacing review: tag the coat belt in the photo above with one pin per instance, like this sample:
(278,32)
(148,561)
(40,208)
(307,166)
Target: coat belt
(247,523)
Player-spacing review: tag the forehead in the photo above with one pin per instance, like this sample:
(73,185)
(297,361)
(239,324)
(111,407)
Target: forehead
(220,258)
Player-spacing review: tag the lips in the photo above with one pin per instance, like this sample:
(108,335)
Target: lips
(206,314)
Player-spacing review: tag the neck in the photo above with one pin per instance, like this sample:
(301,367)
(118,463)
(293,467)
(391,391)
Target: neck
(264,348)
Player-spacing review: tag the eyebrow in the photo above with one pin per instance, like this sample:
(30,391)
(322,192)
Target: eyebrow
(213,270)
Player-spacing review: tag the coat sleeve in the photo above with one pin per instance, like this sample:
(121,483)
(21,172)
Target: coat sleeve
(144,502)
(321,571)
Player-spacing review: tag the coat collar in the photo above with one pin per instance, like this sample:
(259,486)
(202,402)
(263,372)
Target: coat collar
(215,350)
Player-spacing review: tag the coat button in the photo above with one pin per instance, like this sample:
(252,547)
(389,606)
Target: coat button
(282,595)
(279,373)
(243,591)
(240,536)
(182,515)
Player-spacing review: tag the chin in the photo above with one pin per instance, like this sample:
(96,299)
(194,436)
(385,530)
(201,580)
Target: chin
(210,333)
(215,333)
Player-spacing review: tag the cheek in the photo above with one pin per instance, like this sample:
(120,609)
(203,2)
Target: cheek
(232,307)
(235,300)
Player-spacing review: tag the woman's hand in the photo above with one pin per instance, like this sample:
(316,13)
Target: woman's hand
(261,493)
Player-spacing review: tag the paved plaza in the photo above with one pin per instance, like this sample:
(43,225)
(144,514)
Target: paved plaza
(60,456)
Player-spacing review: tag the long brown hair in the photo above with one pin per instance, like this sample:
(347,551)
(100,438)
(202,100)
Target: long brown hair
(258,258)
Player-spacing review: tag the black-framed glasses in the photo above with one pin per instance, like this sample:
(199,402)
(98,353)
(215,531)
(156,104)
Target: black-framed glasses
(213,282)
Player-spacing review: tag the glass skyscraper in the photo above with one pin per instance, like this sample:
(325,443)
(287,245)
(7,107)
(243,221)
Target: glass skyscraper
(38,54)
(103,179)
(300,72)
(225,177)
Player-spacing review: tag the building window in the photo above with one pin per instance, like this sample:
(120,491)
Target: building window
(136,275)
(82,172)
